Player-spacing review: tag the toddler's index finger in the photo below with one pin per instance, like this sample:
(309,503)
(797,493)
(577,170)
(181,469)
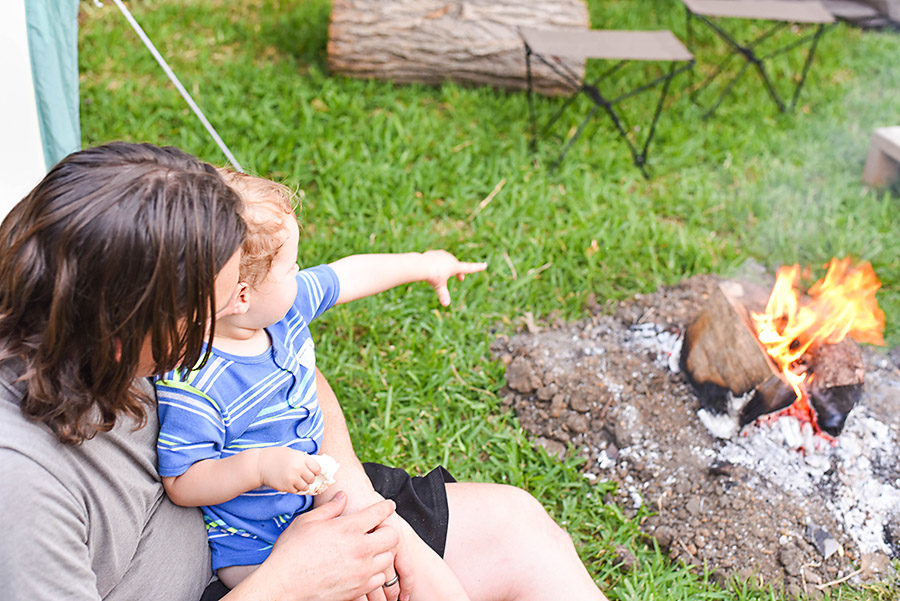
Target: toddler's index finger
(471,267)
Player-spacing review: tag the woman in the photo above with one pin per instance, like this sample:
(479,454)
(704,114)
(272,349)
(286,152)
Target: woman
(110,270)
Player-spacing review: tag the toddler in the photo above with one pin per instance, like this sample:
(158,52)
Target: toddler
(239,435)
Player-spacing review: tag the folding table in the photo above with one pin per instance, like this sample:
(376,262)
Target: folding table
(784,13)
(551,46)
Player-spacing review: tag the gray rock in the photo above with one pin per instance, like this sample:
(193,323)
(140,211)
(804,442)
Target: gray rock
(521,377)
(557,405)
(624,431)
(824,543)
(578,403)
(553,447)
(791,558)
(694,505)
(625,559)
(875,565)
(664,536)
(612,451)
(577,422)
(547,392)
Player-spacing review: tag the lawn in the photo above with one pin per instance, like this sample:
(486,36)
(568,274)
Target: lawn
(384,167)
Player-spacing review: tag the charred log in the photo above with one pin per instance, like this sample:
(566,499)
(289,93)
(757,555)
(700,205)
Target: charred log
(833,405)
(772,395)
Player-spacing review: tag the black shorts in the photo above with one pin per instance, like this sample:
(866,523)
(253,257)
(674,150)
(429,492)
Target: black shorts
(421,501)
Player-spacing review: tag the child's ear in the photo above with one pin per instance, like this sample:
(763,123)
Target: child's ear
(240,302)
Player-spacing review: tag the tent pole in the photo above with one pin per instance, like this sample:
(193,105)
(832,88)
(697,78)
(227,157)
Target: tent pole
(184,93)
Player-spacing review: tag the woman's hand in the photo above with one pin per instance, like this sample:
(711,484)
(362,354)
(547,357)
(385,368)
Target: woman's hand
(325,556)
(398,574)
(402,568)
(362,497)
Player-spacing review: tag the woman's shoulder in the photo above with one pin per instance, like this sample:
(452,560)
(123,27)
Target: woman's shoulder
(126,452)
(32,467)
(18,434)
(102,497)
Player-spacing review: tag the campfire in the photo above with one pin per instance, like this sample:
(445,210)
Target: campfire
(730,491)
(794,357)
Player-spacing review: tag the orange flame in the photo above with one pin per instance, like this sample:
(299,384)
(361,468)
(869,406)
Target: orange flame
(840,304)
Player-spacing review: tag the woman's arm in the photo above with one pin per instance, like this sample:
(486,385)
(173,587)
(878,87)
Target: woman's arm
(351,555)
(350,478)
(43,551)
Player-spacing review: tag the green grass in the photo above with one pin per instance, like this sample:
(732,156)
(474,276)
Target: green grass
(387,168)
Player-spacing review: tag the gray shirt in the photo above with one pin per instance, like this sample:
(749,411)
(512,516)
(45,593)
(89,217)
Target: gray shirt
(91,521)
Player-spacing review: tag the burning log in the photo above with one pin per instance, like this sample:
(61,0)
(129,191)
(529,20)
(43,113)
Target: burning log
(832,393)
(792,353)
(721,354)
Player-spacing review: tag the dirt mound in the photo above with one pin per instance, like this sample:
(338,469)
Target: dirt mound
(766,503)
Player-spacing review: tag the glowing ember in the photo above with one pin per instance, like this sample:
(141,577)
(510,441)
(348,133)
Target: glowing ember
(840,304)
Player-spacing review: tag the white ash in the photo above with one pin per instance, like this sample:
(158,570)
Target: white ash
(863,499)
(720,425)
(665,344)
(788,455)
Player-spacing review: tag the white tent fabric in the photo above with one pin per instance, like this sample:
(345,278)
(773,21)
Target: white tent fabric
(39,69)
(39,112)
(22,155)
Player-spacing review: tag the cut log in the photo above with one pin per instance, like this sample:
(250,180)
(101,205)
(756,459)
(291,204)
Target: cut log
(838,364)
(721,352)
(432,41)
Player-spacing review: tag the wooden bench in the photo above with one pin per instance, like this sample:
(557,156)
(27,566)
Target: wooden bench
(883,163)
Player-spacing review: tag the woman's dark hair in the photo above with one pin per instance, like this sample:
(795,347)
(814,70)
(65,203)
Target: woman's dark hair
(116,243)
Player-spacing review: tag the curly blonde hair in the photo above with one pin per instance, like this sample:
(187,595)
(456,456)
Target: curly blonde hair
(266,203)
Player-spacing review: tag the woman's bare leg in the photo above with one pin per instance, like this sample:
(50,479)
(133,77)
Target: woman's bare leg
(503,546)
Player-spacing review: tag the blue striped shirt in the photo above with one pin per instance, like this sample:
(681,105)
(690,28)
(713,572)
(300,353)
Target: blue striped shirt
(233,403)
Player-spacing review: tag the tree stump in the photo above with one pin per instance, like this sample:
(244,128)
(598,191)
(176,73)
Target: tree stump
(432,41)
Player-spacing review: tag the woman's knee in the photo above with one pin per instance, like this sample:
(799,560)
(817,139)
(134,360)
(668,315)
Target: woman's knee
(524,520)
(516,539)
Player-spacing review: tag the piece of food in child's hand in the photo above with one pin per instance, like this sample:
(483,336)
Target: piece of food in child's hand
(325,478)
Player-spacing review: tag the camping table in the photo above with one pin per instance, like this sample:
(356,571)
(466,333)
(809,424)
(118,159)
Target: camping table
(550,46)
(783,13)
